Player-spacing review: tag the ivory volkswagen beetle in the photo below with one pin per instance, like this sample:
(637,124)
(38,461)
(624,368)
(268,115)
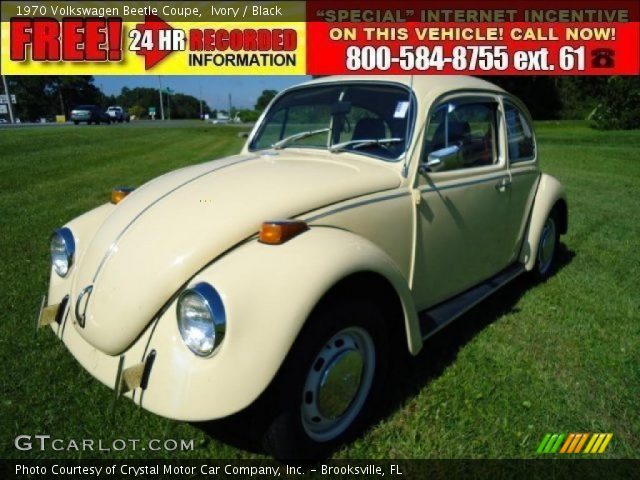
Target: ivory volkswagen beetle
(362,216)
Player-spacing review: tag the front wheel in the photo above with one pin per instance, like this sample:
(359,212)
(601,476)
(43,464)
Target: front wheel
(331,381)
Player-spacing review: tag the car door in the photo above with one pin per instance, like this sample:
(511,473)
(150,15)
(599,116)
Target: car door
(463,209)
(523,167)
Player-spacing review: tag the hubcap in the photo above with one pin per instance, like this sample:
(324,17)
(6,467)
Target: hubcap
(547,246)
(338,383)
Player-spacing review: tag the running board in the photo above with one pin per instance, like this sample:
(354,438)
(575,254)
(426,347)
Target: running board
(441,315)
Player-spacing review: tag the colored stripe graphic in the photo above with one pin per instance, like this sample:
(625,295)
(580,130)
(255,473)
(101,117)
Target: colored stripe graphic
(556,446)
(596,445)
(590,444)
(584,439)
(605,443)
(567,443)
(543,443)
(574,442)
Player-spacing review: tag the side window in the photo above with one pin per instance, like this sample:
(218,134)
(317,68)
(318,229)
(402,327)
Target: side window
(519,135)
(472,127)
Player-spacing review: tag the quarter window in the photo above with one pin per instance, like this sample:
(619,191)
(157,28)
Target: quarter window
(519,135)
(470,126)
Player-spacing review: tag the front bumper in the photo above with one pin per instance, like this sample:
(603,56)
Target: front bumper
(108,369)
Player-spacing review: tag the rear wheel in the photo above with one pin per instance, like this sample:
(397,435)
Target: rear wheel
(547,248)
(331,381)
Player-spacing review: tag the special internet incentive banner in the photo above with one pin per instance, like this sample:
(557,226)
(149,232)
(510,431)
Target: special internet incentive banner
(469,37)
(493,37)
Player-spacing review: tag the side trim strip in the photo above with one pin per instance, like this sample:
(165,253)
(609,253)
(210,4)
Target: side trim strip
(429,188)
(436,318)
(355,205)
(406,193)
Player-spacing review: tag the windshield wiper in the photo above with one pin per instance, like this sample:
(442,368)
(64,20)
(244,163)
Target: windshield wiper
(297,136)
(363,143)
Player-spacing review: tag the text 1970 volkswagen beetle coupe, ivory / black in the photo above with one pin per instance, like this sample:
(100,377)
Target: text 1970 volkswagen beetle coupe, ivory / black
(362,215)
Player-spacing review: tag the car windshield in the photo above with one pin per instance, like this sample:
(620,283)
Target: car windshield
(85,107)
(367,118)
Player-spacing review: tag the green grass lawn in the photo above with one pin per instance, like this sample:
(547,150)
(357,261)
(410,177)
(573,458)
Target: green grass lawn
(563,356)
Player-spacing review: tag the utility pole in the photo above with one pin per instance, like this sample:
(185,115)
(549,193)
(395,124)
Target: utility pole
(201,110)
(8,94)
(230,107)
(161,102)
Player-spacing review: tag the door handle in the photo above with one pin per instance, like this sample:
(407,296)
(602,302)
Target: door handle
(503,184)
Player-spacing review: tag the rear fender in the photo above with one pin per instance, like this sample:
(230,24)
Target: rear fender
(550,192)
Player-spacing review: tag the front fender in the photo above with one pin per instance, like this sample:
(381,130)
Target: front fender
(549,192)
(268,293)
(84,228)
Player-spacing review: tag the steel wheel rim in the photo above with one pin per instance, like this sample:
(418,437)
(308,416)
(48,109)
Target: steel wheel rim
(547,246)
(337,384)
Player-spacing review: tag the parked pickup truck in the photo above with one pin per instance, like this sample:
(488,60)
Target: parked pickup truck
(118,114)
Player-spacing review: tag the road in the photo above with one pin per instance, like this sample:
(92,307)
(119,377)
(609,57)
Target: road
(134,124)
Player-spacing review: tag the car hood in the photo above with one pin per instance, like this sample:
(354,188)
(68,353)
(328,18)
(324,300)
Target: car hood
(163,233)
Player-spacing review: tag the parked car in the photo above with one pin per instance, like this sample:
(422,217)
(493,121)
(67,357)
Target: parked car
(90,114)
(118,114)
(362,216)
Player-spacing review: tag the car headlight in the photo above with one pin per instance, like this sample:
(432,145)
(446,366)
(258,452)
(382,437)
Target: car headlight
(201,319)
(63,248)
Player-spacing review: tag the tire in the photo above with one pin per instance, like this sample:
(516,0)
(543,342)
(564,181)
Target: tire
(315,403)
(546,256)
(75,122)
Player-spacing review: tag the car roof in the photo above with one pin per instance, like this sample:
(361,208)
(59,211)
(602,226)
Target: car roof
(421,84)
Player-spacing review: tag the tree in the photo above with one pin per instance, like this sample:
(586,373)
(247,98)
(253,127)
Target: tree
(263,100)
(619,106)
(48,95)
(580,95)
(33,99)
(137,111)
(72,90)
(182,106)
(248,116)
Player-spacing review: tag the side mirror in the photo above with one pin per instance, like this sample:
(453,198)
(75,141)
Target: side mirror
(441,159)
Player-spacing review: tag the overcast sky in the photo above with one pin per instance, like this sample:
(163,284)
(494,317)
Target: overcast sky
(215,89)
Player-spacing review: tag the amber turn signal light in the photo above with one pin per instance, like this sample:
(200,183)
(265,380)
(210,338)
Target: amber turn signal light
(276,233)
(118,194)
